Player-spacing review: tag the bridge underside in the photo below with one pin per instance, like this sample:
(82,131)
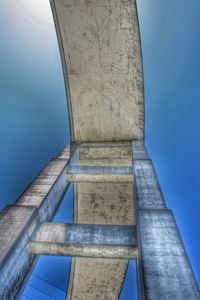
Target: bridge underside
(119,210)
(100,50)
(101,56)
(108,201)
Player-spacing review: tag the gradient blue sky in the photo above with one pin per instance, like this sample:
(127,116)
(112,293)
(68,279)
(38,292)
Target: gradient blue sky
(33,123)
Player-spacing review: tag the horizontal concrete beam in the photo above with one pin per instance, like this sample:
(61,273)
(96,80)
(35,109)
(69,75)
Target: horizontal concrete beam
(99,174)
(84,250)
(85,240)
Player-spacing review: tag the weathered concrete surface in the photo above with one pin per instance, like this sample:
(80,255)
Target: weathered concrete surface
(85,240)
(149,195)
(96,279)
(105,154)
(105,150)
(104,203)
(102,65)
(86,234)
(166,269)
(46,190)
(48,202)
(84,250)
(19,222)
(100,203)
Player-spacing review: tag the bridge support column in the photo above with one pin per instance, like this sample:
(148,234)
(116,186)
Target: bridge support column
(164,270)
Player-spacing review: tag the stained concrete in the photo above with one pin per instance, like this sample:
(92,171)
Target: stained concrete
(105,154)
(149,195)
(96,279)
(100,203)
(105,150)
(102,65)
(104,203)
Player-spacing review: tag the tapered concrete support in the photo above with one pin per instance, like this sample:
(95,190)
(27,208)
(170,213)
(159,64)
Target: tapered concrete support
(85,240)
(19,223)
(164,271)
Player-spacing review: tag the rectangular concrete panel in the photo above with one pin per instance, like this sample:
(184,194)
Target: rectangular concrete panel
(100,49)
(165,265)
(100,203)
(105,154)
(104,203)
(105,150)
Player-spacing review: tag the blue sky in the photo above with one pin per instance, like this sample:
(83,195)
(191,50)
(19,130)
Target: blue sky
(33,123)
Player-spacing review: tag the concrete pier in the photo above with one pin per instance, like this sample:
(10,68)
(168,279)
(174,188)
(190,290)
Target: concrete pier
(164,270)
(20,222)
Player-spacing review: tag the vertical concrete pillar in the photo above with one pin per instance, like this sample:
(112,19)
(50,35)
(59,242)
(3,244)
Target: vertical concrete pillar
(164,271)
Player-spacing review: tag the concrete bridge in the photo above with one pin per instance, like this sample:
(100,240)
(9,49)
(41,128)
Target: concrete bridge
(119,209)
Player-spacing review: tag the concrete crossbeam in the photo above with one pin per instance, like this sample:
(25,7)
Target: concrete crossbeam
(84,250)
(87,234)
(99,174)
(85,240)
(99,170)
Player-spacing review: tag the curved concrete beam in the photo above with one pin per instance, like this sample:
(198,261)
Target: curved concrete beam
(101,56)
